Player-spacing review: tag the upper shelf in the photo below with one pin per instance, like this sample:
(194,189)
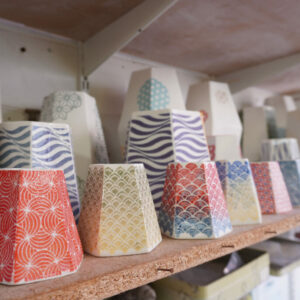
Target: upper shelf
(76,19)
(104,277)
(218,38)
(211,37)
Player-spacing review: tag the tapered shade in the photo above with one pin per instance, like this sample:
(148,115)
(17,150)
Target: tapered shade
(38,235)
(157,138)
(193,203)
(271,188)
(40,145)
(118,215)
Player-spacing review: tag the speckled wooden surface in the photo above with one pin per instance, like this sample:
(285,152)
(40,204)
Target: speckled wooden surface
(103,277)
(76,19)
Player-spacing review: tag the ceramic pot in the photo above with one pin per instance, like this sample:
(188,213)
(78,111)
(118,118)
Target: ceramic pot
(38,235)
(193,203)
(271,189)
(240,192)
(150,89)
(215,101)
(291,173)
(80,112)
(118,215)
(37,145)
(157,138)
(259,124)
(279,149)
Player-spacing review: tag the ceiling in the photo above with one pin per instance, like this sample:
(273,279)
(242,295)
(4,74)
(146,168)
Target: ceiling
(214,37)
(287,82)
(76,19)
(221,36)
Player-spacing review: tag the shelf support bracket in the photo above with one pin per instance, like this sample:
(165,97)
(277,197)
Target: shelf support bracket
(251,76)
(115,36)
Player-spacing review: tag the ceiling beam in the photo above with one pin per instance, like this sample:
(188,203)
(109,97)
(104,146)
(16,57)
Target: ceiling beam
(115,36)
(251,76)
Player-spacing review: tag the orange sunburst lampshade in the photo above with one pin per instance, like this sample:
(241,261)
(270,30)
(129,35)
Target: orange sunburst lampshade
(193,204)
(38,235)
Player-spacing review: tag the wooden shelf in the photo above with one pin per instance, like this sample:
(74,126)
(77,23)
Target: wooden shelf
(104,277)
(78,19)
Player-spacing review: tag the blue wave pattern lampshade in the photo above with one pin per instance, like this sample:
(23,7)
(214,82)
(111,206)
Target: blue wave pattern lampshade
(40,145)
(157,138)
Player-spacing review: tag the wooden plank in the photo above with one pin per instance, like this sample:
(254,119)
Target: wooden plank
(219,38)
(76,19)
(112,38)
(254,75)
(103,277)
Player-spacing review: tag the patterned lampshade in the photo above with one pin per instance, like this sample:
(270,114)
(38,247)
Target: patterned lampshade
(271,188)
(38,235)
(40,145)
(240,192)
(157,138)
(193,204)
(215,100)
(80,112)
(150,89)
(291,173)
(118,215)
